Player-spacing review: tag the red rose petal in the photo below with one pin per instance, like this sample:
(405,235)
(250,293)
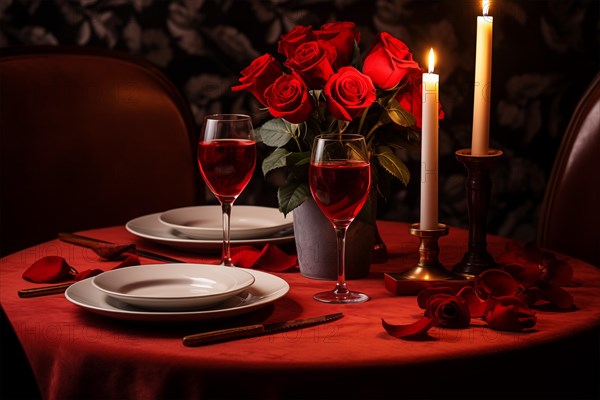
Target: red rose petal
(49,269)
(510,314)
(557,296)
(410,330)
(495,283)
(558,273)
(477,307)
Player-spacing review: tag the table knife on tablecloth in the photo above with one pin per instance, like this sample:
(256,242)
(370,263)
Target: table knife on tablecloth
(223,335)
(91,242)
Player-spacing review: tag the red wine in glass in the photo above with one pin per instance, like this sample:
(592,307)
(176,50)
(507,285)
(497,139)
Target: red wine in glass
(227,158)
(227,165)
(340,180)
(340,188)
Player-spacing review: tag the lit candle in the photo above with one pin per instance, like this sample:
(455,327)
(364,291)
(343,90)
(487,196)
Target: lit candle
(429,149)
(483,81)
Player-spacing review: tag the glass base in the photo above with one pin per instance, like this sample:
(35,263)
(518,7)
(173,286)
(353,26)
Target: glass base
(347,297)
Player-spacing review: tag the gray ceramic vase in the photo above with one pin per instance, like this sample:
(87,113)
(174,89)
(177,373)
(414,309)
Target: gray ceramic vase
(317,248)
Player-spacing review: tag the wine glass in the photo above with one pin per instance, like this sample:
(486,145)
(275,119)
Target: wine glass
(227,157)
(340,180)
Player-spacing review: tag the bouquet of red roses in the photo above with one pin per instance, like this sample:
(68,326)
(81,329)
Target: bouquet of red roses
(322,84)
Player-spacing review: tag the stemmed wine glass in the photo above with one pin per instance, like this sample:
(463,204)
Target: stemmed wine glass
(227,157)
(340,180)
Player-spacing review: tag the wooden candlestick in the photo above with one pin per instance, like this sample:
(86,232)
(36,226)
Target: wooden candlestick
(478,186)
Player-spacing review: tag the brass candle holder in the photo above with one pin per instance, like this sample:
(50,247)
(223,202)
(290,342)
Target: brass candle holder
(429,267)
(429,271)
(478,187)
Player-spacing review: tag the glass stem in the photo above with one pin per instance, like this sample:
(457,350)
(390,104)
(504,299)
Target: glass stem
(340,287)
(226,258)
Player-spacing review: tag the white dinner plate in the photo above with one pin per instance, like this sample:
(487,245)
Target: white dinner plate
(173,287)
(149,227)
(206,222)
(266,289)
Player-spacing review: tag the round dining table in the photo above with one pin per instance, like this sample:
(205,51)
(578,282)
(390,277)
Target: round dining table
(78,354)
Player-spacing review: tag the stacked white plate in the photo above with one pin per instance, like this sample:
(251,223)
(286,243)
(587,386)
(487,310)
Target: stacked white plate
(206,222)
(200,227)
(176,292)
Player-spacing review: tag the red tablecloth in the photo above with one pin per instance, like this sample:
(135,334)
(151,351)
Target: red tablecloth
(77,354)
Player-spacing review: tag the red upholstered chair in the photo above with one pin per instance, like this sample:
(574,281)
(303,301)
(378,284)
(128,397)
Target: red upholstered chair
(570,214)
(89,138)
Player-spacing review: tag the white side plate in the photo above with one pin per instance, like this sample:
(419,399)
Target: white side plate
(206,222)
(173,286)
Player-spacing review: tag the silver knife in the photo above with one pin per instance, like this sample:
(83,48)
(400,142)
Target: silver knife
(223,335)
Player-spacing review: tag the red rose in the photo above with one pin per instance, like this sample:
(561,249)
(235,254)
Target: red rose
(448,310)
(411,99)
(349,93)
(508,313)
(258,76)
(312,61)
(289,42)
(288,98)
(388,61)
(343,36)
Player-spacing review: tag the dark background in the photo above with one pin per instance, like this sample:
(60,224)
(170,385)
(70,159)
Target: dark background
(545,54)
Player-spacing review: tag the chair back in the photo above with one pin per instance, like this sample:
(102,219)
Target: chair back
(88,138)
(570,214)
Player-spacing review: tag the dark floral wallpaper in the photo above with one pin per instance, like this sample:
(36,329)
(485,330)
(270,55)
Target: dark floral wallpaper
(545,53)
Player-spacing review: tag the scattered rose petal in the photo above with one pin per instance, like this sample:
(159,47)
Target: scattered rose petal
(556,296)
(495,283)
(510,314)
(477,307)
(526,273)
(409,330)
(49,269)
(557,273)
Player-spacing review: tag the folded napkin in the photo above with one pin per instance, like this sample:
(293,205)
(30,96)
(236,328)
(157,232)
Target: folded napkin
(52,269)
(270,258)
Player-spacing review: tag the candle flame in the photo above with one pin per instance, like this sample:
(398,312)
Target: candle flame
(431,60)
(486,7)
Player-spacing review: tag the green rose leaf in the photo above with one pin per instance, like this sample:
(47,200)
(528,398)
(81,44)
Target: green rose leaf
(276,159)
(297,159)
(275,132)
(392,164)
(399,115)
(292,195)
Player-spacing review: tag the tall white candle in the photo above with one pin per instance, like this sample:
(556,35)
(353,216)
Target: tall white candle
(429,148)
(483,80)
